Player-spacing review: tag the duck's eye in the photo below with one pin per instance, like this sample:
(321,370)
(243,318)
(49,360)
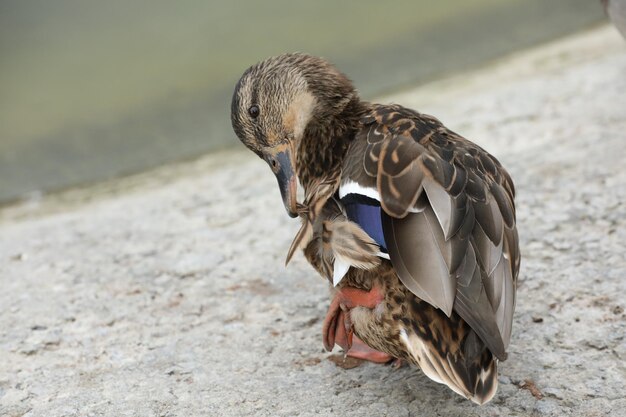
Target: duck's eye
(253,111)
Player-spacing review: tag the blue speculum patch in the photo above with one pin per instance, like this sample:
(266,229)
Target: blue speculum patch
(366,212)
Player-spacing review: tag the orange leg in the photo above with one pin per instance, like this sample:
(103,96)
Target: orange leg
(337,328)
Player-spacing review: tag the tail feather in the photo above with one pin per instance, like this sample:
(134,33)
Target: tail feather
(472,372)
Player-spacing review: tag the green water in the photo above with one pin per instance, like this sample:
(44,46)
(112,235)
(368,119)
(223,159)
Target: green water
(90,90)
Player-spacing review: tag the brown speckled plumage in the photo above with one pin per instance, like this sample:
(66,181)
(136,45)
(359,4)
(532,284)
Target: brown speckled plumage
(447,285)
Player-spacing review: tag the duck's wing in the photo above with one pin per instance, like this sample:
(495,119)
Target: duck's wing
(446,213)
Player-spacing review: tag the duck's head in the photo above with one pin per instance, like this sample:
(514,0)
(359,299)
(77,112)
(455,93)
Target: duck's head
(277,101)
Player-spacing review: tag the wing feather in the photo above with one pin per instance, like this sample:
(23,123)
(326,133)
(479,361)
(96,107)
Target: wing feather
(418,250)
(448,216)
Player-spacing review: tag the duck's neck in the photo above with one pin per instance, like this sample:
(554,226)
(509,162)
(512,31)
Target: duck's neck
(325,142)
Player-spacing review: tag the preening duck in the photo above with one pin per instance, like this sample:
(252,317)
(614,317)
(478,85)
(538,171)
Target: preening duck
(412,225)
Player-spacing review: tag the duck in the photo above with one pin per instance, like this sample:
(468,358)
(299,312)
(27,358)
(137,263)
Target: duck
(412,225)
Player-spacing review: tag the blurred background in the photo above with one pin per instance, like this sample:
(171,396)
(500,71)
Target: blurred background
(90,90)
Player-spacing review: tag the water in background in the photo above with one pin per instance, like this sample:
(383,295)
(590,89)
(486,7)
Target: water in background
(91,90)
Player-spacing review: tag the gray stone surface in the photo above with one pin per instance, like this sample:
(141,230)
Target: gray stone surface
(165,294)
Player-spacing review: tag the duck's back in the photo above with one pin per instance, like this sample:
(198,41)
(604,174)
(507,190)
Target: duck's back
(447,223)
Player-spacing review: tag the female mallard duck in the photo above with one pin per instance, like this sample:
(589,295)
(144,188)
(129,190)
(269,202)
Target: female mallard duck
(413,224)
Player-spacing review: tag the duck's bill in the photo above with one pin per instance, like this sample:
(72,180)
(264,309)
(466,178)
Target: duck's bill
(287,180)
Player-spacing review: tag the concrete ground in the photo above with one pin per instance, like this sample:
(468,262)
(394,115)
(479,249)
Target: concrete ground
(165,294)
